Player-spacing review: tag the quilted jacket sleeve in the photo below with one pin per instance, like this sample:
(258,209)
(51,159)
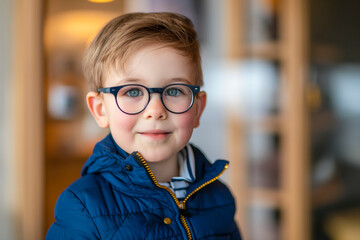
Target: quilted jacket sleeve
(73,220)
(236,234)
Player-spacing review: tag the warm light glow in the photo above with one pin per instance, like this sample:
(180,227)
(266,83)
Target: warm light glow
(74,28)
(100,1)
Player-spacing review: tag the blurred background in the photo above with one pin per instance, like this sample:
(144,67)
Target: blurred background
(283,84)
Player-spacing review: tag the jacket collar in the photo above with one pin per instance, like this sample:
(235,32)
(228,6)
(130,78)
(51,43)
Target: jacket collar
(124,170)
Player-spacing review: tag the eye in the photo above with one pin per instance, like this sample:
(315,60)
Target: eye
(173,92)
(134,92)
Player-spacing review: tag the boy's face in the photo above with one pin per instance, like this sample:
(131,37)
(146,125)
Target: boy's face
(156,133)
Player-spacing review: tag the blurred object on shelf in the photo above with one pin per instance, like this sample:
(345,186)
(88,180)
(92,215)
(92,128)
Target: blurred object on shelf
(264,223)
(63,102)
(252,89)
(344,225)
(264,159)
(313,96)
(262,21)
(344,87)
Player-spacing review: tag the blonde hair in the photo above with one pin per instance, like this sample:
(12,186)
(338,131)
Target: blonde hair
(125,34)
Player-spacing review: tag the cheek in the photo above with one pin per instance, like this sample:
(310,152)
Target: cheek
(118,120)
(121,126)
(125,123)
(186,123)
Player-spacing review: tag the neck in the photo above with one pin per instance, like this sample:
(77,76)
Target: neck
(165,170)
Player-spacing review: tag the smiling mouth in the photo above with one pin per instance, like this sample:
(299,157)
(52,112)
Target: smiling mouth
(155,134)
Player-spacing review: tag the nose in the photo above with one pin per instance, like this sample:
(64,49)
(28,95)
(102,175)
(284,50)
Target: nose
(155,109)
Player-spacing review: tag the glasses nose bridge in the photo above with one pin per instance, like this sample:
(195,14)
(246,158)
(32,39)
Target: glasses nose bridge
(156,90)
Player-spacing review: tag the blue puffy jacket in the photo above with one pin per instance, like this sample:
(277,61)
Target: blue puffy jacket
(118,197)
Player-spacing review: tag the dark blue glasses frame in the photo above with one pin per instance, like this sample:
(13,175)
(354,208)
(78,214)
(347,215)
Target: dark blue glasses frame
(114,91)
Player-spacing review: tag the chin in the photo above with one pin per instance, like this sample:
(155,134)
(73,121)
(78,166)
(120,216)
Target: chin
(157,156)
(153,158)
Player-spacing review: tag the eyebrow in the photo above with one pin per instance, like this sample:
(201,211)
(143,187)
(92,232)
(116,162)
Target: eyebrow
(181,80)
(167,81)
(130,80)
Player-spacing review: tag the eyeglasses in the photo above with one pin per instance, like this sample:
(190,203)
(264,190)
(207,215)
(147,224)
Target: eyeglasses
(134,98)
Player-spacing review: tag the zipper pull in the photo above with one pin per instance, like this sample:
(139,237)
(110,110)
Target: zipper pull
(182,210)
(182,206)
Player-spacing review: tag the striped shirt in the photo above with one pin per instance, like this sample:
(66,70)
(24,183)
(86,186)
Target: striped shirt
(180,184)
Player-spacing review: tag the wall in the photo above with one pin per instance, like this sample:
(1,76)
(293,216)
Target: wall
(6,165)
(21,120)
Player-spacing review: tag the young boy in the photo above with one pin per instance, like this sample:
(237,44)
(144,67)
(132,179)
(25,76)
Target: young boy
(144,181)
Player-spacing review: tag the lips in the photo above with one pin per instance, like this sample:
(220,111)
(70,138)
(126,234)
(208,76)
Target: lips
(155,134)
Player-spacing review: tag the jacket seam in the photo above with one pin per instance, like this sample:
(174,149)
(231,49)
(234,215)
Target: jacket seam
(231,233)
(125,214)
(218,206)
(87,210)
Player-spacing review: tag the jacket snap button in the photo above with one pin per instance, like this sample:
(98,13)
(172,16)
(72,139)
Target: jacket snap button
(128,167)
(167,221)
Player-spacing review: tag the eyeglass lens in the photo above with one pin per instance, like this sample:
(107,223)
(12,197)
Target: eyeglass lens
(133,99)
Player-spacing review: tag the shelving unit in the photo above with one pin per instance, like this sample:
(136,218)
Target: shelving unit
(277,204)
(69,134)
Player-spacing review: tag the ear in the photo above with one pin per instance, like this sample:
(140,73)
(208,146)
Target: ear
(200,106)
(95,103)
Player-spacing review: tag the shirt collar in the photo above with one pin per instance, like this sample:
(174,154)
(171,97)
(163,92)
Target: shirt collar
(186,162)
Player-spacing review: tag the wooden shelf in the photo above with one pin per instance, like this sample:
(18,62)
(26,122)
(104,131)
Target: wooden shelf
(270,124)
(265,197)
(289,52)
(266,50)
